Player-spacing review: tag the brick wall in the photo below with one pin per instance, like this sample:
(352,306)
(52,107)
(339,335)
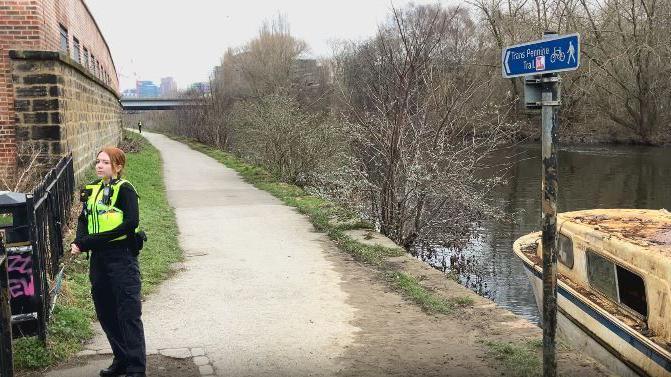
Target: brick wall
(80,24)
(19,28)
(35,25)
(61,107)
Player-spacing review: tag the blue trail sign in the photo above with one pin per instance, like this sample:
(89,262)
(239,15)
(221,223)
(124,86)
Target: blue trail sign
(555,54)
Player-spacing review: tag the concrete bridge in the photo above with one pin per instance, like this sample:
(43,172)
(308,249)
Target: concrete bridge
(136,104)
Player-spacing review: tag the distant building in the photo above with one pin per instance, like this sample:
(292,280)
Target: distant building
(129,93)
(168,87)
(200,87)
(146,89)
(305,72)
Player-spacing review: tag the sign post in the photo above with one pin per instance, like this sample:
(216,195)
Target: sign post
(543,59)
(550,123)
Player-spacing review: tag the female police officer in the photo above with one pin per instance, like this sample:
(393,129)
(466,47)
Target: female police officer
(106,227)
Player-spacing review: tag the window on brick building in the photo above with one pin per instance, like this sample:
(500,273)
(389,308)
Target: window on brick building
(64,39)
(75,50)
(93,65)
(85,63)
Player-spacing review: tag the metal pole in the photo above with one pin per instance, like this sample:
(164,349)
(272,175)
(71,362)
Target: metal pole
(550,123)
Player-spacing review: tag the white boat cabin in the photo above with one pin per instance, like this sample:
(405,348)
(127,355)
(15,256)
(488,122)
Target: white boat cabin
(621,260)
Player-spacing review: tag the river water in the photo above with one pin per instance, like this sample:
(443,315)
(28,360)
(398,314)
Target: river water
(589,177)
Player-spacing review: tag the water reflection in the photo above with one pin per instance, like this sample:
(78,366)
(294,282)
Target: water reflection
(589,177)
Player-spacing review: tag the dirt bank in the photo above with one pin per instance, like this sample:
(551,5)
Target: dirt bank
(397,338)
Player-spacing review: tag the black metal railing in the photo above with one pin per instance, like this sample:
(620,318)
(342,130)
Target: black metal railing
(48,207)
(31,249)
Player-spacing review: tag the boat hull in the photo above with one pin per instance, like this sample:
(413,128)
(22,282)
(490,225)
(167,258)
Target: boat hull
(577,336)
(598,335)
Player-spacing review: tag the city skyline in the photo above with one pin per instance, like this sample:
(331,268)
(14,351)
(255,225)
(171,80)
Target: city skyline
(167,87)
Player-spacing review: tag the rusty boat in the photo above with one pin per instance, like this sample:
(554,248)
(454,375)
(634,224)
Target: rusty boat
(613,286)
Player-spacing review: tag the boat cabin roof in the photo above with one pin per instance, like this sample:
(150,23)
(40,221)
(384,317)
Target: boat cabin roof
(647,231)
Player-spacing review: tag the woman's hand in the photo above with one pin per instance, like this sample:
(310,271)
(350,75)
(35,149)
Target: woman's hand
(74,249)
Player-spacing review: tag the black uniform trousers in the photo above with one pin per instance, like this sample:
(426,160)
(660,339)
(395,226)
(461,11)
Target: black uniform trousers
(115,287)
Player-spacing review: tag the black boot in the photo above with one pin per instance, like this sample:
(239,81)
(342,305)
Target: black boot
(114,370)
(136,374)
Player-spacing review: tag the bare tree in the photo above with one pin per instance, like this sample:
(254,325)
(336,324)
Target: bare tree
(422,125)
(294,145)
(32,163)
(627,44)
(264,64)
(270,64)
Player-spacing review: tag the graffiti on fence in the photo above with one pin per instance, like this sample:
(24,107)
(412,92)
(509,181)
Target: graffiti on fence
(20,271)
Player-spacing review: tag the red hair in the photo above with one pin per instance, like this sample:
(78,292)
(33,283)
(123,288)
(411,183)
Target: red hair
(117,158)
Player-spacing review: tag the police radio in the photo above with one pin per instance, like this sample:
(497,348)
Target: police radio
(84,194)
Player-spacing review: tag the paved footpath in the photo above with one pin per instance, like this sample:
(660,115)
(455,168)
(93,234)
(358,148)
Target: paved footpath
(255,293)
(262,294)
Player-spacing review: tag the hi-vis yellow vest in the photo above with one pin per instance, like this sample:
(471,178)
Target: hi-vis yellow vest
(103,215)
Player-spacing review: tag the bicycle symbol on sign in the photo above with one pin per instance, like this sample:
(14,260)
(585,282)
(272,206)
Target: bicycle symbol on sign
(558,54)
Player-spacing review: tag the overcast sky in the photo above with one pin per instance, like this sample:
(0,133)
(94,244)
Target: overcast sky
(150,39)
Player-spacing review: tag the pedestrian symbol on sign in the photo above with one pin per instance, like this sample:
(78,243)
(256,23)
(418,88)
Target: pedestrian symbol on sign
(540,63)
(571,52)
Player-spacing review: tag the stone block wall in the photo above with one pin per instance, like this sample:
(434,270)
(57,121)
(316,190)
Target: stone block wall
(60,107)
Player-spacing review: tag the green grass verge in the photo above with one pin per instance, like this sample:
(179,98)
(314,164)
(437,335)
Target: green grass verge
(70,325)
(519,359)
(425,299)
(334,221)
